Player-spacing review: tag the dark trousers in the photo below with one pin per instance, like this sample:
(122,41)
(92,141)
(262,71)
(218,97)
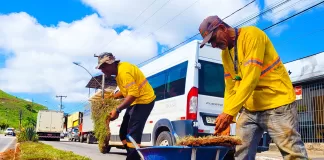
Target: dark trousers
(133,124)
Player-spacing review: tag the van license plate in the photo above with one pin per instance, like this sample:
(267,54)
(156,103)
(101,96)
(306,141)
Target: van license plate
(211,120)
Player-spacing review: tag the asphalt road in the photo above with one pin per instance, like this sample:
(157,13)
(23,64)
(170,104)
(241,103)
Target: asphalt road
(6,142)
(88,150)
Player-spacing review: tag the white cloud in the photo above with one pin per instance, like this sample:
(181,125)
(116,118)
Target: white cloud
(123,12)
(288,8)
(28,100)
(40,58)
(276,31)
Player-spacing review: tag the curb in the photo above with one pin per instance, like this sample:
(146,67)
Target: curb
(17,150)
(312,148)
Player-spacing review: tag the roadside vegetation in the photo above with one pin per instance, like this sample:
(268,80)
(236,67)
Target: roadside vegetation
(29,148)
(36,150)
(100,115)
(10,107)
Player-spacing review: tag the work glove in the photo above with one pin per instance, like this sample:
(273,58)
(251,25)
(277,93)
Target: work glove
(222,124)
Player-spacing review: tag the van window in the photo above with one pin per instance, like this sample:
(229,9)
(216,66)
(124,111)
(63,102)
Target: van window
(157,82)
(211,79)
(176,80)
(170,82)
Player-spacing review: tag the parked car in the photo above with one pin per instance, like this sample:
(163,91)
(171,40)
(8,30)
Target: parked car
(10,131)
(73,135)
(62,135)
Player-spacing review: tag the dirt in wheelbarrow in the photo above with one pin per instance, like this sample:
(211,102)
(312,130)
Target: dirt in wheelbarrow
(209,141)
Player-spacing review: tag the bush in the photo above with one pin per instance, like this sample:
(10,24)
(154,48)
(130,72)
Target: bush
(27,134)
(100,115)
(3,126)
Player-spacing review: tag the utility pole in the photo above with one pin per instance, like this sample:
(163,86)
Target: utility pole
(20,117)
(61,106)
(7,115)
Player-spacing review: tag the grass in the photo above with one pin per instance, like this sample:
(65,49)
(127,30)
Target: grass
(10,107)
(41,151)
(100,117)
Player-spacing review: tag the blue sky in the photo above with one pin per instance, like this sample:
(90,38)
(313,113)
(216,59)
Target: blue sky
(301,36)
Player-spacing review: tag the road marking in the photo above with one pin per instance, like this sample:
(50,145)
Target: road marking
(8,145)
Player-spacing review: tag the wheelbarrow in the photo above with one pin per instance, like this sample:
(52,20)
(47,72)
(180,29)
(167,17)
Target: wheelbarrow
(181,152)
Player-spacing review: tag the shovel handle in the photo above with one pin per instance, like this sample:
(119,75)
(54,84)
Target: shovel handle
(130,138)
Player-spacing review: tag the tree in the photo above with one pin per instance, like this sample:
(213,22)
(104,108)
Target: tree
(29,107)
(30,121)
(3,126)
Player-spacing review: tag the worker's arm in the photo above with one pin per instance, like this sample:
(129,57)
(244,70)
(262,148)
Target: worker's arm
(229,93)
(118,95)
(128,82)
(254,48)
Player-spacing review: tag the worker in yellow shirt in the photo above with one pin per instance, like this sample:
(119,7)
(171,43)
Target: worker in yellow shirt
(139,99)
(258,86)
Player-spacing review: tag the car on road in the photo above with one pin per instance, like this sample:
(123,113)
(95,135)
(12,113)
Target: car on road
(10,131)
(62,135)
(73,135)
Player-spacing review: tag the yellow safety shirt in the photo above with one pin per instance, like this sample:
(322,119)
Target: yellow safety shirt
(131,81)
(265,81)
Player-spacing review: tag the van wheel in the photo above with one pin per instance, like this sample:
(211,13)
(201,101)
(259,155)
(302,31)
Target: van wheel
(164,139)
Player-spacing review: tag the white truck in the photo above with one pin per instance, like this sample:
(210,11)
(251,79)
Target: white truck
(49,124)
(87,126)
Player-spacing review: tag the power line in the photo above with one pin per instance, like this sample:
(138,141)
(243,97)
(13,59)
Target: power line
(267,10)
(190,7)
(173,18)
(135,19)
(294,15)
(145,20)
(194,35)
(144,10)
(151,16)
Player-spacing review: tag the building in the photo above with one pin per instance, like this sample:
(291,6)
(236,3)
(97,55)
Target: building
(307,75)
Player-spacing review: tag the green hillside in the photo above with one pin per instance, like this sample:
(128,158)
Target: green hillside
(10,107)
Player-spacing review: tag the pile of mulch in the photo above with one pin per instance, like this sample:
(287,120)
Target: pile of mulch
(100,115)
(209,141)
(11,154)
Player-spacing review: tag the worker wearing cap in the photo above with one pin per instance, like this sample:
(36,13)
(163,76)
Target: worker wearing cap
(258,85)
(139,99)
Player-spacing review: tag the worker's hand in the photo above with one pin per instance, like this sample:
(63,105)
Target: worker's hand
(226,132)
(223,122)
(113,115)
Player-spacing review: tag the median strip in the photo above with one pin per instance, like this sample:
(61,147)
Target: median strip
(38,150)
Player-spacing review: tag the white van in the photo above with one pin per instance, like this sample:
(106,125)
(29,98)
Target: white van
(189,85)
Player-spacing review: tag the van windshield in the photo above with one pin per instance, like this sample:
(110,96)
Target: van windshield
(211,79)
